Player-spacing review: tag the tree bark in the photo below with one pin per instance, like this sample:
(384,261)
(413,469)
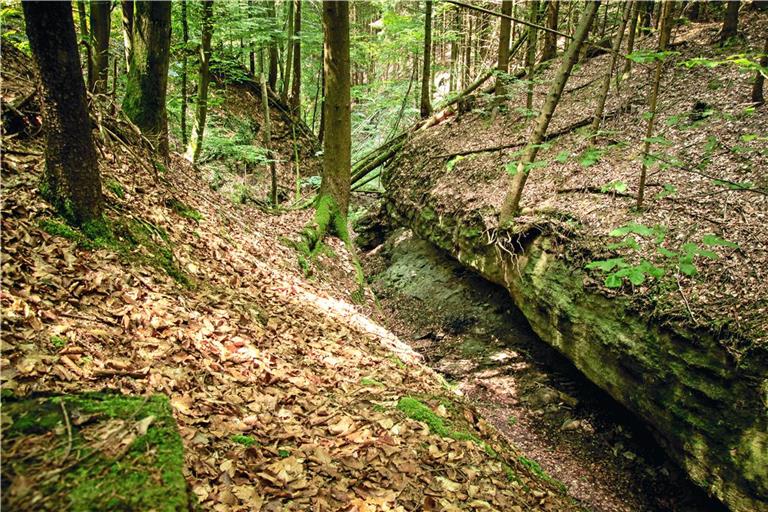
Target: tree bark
(273,58)
(731,21)
(71,178)
(757,86)
(530,55)
(333,202)
(288,64)
(426,73)
(266,136)
(146,87)
(100,29)
(502,64)
(627,71)
(606,85)
(127,22)
(85,40)
(295,102)
(198,129)
(184,72)
(511,205)
(550,38)
(664,34)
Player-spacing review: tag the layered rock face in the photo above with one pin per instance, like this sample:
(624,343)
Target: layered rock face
(707,410)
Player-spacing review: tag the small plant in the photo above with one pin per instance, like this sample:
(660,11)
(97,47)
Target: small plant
(116,188)
(184,210)
(283,453)
(58,341)
(368,381)
(243,440)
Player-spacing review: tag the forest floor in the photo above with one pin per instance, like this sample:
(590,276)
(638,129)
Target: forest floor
(704,223)
(285,395)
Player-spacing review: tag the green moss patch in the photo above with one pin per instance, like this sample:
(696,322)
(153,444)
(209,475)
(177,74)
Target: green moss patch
(184,210)
(416,410)
(95,451)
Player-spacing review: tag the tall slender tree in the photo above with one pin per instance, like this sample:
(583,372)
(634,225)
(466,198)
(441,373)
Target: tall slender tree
(198,129)
(757,86)
(85,40)
(731,21)
(664,35)
(333,199)
(530,55)
(101,11)
(288,64)
(273,57)
(71,179)
(425,107)
(295,98)
(550,38)
(145,91)
(184,72)
(606,84)
(502,63)
(625,73)
(511,204)
(127,24)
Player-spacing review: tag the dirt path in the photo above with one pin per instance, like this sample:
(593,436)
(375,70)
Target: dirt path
(470,331)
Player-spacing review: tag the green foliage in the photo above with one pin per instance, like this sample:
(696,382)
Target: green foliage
(450,164)
(614,186)
(58,341)
(184,210)
(243,440)
(591,156)
(116,188)
(416,410)
(648,56)
(369,381)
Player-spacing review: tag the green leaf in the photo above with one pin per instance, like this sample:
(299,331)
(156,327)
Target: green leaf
(614,186)
(612,281)
(716,240)
(590,157)
(639,229)
(749,137)
(628,242)
(668,191)
(688,269)
(667,253)
(607,265)
(745,185)
(453,161)
(562,157)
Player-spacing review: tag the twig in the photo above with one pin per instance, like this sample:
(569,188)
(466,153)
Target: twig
(69,431)
(685,301)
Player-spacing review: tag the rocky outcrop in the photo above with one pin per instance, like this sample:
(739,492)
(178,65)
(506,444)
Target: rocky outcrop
(709,411)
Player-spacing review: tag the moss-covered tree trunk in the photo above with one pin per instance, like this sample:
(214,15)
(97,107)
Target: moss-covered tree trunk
(198,129)
(425,107)
(664,35)
(511,205)
(606,84)
(71,179)
(295,98)
(502,63)
(550,38)
(100,30)
(145,90)
(333,199)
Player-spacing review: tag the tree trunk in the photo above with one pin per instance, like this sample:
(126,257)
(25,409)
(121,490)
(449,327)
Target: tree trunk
(664,34)
(296,86)
(100,29)
(606,85)
(731,22)
(85,40)
(627,71)
(530,56)
(550,38)
(273,57)
(127,21)
(468,53)
(267,133)
(757,87)
(184,73)
(502,64)
(71,179)
(511,205)
(426,73)
(288,64)
(198,129)
(321,129)
(333,201)
(145,90)
(453,83)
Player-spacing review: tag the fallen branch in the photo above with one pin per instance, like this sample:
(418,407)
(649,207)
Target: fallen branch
(596,190)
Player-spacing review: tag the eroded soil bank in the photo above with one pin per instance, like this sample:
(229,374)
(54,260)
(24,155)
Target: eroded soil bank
(470,330)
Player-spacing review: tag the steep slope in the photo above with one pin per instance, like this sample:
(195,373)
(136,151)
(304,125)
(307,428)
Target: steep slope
(672,321)
(285,396)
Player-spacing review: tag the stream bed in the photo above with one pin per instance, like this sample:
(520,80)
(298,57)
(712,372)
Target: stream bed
(470,331)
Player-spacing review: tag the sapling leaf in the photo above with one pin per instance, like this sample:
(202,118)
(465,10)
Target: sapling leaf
(612,281)
(562,157)
(607,265)
(716,240)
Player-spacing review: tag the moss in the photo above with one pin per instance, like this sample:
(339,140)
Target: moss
(418,411)
(184,210)
(368,381)
(538,471)
(148,475)
(58,341)
(243,440)
(57,228)
(283,453)
(116,188)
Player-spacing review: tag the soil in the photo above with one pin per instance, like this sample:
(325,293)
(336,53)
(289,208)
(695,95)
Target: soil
(470,331)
